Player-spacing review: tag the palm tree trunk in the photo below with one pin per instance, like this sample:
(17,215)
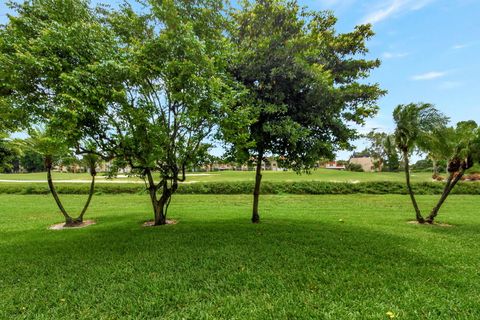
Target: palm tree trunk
(451,182)
(418,214)
(256,190)
(435,168)
(48,165)
(90,195)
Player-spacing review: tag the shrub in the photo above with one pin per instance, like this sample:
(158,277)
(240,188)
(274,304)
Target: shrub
(246,187)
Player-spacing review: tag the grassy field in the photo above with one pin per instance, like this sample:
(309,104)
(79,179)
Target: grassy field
(317,175)
(301,262)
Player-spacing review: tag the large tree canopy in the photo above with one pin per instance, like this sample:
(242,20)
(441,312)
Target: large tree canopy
(42,44)
(305,82)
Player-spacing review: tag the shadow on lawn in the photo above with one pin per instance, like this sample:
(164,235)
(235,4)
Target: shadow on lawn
(269,244)
(202,263)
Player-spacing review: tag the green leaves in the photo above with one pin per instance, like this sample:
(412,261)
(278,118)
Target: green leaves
(415,123)
(47,50)
(152,87)
(164,90)
(460,145)
(303,80)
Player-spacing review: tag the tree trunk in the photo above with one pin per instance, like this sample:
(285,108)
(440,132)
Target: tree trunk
(435,168)
(160,214)
(48,166)
(160,206)
(93,173)
(410,190)
(256,190)
(451,182)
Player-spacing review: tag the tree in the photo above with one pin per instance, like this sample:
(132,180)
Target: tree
(434,146)
(52,150)
(7,153)
(44,42)
(462,149)
(45,45)
(415,122)
(166,91)
(31,161)
(304,85)
(383,150)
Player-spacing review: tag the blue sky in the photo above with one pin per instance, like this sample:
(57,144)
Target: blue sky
(429,50)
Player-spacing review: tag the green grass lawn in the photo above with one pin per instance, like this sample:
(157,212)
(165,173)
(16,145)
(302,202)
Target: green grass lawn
(224,176)
(301,262)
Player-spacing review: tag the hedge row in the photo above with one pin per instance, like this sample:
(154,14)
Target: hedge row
(301,187)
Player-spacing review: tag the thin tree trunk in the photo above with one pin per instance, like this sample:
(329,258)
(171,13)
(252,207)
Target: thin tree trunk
(410,190)
(435,168)
(451,182)
(90,195)
(48,165)
(256,190)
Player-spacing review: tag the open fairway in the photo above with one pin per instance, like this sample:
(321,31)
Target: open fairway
(302,261)
(232,176)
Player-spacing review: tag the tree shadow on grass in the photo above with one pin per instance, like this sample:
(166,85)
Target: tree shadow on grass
(216,245)
(311,265)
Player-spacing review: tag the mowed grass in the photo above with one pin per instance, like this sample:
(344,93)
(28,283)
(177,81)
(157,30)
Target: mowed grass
(232,176)
(301,262)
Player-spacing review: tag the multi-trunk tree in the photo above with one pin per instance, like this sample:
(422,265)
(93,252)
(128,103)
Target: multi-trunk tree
(167,90)
(461,148)
(415,123)
(52,149)
(45,45)
(306,83)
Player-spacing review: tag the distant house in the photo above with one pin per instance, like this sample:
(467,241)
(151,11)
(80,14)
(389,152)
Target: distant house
(269,164)
(367,163)
(334,165)
(74,168)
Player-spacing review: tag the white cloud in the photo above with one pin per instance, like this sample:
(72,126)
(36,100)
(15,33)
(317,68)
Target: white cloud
(429,75)
(460,46)
(391,7)
(450,85)
(392,55)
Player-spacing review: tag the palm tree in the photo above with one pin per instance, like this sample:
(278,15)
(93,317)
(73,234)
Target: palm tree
(50,148)
(413,123)
(461,148)
(391,153)
(434,145)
